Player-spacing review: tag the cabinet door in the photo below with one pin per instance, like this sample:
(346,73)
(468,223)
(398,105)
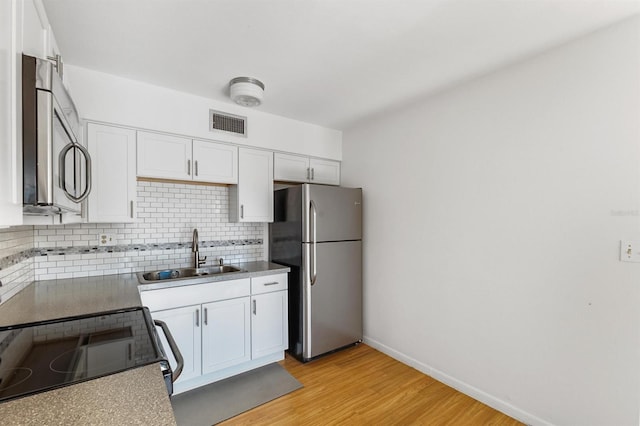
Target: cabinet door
(325,171)
(113,153)
(164,156)
(185,325)
(255,187)
(269,333)
(10,115)
(291,168)
(215,162)
(226,334)
(34,30)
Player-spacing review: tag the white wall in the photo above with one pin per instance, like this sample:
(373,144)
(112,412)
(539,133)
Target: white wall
(500,206)
(108,98)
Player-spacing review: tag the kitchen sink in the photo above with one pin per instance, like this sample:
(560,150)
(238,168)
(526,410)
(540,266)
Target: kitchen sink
(180,273)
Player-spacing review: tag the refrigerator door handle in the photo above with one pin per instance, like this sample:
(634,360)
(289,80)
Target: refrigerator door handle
(313,213)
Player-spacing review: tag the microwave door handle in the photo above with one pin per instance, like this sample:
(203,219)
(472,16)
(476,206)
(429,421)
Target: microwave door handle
(63,172)
(87,174)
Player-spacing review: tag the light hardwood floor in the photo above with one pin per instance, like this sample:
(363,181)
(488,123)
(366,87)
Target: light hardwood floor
(362,386)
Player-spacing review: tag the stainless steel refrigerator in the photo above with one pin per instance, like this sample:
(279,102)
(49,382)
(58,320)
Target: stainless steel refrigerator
(317,232)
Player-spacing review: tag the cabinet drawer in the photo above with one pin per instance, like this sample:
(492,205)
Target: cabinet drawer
(268,283)
(175,297)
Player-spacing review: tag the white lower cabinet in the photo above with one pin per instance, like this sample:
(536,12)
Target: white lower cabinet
(226,334)
(184,324)
(223,328)
(269,323)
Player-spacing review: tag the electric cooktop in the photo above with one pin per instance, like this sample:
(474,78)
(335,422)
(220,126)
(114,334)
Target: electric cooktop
(45,355)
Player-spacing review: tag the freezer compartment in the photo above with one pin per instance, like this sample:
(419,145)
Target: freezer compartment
(331,213)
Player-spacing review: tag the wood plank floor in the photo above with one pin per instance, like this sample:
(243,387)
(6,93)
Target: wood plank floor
(362,386)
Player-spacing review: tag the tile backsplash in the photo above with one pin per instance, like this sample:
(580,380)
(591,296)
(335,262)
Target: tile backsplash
(161,237)
(16,262)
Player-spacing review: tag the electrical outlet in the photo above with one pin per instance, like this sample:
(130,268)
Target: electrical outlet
(630,251)
(106,240)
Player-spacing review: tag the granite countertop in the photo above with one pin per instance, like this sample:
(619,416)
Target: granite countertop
(136,396)
(133,397)
(43,300)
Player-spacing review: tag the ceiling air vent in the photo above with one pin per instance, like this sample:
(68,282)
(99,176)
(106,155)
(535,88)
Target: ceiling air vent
(224,122)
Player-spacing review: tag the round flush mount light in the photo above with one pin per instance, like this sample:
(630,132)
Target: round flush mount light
(246,91)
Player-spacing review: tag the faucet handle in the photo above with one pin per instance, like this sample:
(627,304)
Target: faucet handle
(202,260)
(221,261)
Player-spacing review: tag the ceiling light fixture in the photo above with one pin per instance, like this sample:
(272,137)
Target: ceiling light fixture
(246,91)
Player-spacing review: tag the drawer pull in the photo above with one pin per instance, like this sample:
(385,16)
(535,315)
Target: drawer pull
(273,283)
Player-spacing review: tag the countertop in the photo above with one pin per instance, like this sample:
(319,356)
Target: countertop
(133,397)
(43,300)
(136,396)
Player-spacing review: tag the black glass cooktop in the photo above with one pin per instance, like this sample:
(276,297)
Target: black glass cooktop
(44,355)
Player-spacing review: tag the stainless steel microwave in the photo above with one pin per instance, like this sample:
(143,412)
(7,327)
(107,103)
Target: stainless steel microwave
(56,166)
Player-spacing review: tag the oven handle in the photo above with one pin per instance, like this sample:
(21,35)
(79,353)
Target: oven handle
(174,348)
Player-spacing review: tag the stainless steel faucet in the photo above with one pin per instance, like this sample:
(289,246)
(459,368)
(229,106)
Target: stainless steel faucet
(197,260)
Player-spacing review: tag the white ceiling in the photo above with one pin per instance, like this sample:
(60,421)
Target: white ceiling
(329,62)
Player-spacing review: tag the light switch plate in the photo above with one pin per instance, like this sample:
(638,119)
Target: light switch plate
(629,251)
(106,240)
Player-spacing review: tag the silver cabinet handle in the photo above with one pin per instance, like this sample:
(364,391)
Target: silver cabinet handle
(254,307)
(206,322)
(196,167)
(174,348)
(312,173)
(131,209)
(197,317)
(273,283)
(308,173)
(189,167)
(241,211)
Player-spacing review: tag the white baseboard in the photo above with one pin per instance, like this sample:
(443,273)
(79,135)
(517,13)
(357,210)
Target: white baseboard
(459,385)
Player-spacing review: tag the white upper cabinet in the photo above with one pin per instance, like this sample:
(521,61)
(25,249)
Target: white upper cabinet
(171,157)
(324,171)
(298,168)
(10,114)
(113,196)
(164,156)
(215,162)
(251,200)
(291,168)
(35,30)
